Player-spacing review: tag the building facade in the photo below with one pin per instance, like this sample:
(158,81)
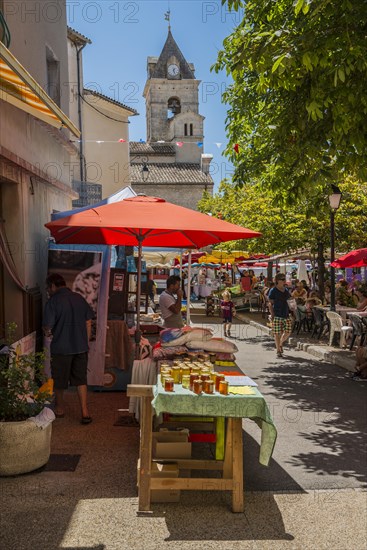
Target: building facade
(36,153)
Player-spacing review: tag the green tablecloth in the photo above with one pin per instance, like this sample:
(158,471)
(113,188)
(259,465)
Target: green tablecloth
(183,401)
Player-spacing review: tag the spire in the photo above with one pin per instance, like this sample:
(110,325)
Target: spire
(170,49)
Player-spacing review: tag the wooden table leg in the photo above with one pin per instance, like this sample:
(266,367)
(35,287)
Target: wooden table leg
(237,463)
(228,453)
(145,454)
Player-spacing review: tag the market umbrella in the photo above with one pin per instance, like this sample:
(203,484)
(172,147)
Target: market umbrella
(145,220)
(355,258)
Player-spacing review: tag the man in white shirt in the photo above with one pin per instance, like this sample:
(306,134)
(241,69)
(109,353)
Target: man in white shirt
(170,303)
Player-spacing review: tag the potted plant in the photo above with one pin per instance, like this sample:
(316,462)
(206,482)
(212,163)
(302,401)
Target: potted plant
(24,444)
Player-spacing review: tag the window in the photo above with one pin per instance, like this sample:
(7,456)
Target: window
(173,106)
(191,129)
(53,76)
(185,132)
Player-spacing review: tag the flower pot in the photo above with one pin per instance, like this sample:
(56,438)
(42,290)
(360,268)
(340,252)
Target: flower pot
(23,447)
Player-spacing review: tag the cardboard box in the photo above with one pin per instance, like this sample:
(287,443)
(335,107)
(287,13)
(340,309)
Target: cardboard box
(171,444)
(163,470)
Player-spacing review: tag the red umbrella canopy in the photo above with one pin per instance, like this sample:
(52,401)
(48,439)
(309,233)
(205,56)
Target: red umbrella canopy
(150,220)
(355,258)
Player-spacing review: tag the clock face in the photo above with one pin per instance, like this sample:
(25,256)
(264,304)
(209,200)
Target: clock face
(173,70)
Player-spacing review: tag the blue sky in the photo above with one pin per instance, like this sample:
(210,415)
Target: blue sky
(125,33)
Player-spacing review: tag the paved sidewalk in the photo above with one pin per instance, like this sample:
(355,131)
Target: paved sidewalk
(321,350)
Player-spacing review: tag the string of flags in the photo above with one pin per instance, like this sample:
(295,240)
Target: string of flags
(121,140)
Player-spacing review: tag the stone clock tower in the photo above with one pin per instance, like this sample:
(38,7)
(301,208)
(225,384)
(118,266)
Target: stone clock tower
(175,131)
(172,102)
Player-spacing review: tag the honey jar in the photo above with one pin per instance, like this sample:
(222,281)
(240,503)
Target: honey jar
(223,387)
(205,377)
(193,376)
(176,374)
(213,357)
(165,366)
(195,370)
(166,373)
(213,376)
(219,378)
(169,384)
(186,381)
(208,386)
(185,370)
(197,386)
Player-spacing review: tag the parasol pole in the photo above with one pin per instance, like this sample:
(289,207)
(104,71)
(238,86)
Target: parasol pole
(188,297)
(181,264)
(138,295)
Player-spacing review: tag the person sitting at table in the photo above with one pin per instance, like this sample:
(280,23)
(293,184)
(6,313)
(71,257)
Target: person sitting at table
(300,293)
(342,294)
(361,294)
(327,293)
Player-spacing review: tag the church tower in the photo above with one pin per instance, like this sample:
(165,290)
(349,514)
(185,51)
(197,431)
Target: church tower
(172,102)
(171,163)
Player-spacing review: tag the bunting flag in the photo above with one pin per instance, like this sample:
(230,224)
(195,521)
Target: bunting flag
(160,142)
(236,148)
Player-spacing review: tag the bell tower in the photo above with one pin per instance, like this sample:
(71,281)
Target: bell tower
(172,103)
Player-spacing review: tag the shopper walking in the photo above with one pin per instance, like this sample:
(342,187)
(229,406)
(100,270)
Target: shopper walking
(228,310)
(278,306)
(67,318)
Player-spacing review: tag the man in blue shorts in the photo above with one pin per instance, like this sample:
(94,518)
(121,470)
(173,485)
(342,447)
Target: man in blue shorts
(67,318)
(278,305)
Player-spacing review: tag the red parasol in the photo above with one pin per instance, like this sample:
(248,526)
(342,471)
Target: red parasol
(355,258)
(148,220)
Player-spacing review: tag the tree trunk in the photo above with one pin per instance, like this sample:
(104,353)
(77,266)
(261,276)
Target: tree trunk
(269,275)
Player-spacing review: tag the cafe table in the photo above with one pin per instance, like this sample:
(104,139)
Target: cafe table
(233,408)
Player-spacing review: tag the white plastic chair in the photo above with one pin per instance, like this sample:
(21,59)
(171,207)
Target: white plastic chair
(337,325)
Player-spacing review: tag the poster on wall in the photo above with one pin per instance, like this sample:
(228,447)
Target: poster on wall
(83,273)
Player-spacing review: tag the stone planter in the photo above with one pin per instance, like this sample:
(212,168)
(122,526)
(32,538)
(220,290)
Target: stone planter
(23,447)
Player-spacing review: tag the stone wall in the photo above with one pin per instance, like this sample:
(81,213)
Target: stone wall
(183,195)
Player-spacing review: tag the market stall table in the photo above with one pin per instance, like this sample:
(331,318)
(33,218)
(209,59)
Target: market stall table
(232,407)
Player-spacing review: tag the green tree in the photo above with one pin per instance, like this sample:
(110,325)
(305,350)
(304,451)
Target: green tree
(303,224)
(298,102)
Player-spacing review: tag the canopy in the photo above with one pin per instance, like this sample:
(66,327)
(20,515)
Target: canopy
(20,89)
(148,220)
(355,258)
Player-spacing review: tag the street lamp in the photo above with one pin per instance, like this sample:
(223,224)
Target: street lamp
(334,201)
(144,170)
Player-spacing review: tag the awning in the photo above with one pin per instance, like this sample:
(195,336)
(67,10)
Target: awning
(20,89)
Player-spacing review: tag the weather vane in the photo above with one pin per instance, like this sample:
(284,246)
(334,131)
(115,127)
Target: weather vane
(167,17)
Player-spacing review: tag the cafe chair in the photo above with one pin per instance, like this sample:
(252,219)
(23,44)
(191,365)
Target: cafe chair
(337,325)
(359,329)
(301,321)
(321,322)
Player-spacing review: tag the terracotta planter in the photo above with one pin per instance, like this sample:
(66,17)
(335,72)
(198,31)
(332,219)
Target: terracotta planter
(23,447)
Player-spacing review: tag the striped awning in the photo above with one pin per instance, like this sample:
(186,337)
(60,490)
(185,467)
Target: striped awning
(20,89)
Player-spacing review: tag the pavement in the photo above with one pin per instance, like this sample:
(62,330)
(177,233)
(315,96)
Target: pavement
(343,358)
(311,497)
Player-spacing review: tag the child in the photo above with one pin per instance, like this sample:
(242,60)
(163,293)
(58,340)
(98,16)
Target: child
(228,310)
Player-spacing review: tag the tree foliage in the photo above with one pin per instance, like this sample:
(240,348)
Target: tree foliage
(306,223)
(298,102)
